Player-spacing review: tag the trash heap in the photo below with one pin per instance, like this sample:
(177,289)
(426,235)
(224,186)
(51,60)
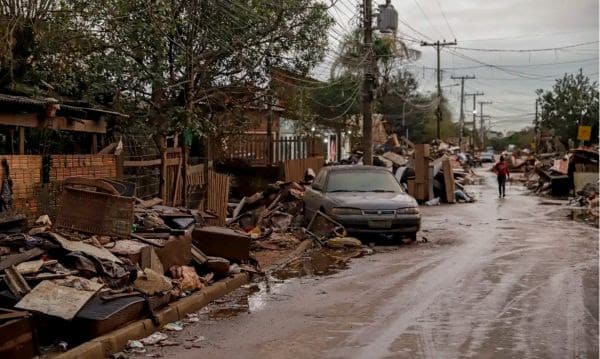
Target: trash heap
(557,174)
(432,173)
(108,259)
(275,219)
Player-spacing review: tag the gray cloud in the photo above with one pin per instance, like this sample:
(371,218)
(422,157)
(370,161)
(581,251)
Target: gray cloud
(505,24)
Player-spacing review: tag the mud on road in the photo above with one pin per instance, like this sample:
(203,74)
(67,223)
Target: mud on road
(501,278)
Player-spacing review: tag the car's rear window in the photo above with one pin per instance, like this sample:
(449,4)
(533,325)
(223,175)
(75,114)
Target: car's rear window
(362,181)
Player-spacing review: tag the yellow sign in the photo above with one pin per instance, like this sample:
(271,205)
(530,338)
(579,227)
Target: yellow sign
(584,133)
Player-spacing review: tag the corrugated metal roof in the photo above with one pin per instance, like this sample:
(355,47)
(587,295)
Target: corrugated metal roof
(4,98)
(22,100)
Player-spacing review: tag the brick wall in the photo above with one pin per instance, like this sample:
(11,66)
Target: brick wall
(97,166)
(34,198)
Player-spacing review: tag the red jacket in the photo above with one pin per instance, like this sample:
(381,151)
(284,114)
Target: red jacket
(501,169)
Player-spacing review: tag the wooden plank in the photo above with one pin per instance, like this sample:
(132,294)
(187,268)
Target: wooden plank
(78,125)
(94,143)
(448,180)
(146,163)
(21,140)
(20,119)
(173,161)
(15,259)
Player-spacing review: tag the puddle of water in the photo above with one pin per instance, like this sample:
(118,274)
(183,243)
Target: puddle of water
(255,297)
(314,263)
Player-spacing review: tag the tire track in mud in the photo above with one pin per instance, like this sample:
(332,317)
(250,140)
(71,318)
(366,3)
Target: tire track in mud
(512,253)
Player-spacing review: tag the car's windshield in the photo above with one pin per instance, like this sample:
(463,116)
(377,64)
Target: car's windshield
(362,181)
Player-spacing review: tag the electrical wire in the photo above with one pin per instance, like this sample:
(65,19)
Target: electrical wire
(445,18)
(427,17)
(528,50)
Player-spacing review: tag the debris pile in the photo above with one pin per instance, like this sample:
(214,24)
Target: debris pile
(557,174)
(432,173)
(108,259)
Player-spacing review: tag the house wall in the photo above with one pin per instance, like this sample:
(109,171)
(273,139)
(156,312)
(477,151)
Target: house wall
(32,197)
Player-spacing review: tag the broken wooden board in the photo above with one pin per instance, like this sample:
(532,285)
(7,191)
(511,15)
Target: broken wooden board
(448,180)
(16,283)
(149,259)
(176,251)
(15,259)
(30,266)
(61,298)
(222,242)
(74,246)
(396,158)
(199,257)
(150,202)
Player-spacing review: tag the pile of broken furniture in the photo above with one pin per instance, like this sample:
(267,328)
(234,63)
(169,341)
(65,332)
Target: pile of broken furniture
(108,259)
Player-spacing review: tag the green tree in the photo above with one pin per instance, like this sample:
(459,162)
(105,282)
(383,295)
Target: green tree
(573,101)
(171,63)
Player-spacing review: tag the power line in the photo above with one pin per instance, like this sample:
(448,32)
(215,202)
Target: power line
(445,18)
(427,18)
(528,50)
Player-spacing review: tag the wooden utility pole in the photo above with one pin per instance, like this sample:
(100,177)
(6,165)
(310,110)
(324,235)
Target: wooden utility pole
(474,131)
(269,99)
(536,127)
(482,123)
(438,46)
(367,95)
(462,101)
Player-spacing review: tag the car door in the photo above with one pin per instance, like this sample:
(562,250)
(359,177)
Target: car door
(314,196)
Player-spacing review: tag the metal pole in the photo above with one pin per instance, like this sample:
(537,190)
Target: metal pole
(368,86)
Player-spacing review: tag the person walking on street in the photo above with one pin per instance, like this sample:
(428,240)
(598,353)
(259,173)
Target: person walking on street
(501,170)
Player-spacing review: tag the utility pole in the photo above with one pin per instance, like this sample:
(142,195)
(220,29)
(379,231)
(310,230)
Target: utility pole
(482,123)
(536,127)
(367,95)
(474,94)
(438,46)
(462,101)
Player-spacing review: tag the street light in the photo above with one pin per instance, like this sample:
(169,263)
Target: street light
(474,112)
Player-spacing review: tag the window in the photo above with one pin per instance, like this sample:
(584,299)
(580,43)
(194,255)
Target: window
(362,181)
(320,180)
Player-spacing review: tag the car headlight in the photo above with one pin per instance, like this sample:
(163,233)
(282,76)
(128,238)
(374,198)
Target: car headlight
(345,211)
(409,210)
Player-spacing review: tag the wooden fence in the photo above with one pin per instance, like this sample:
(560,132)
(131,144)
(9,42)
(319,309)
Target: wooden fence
(294,169)
(170,186)
(218,192)
(255,149)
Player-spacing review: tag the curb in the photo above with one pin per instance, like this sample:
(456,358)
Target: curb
(116,340)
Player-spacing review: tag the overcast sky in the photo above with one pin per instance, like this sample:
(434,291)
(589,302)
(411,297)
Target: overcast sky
(486,24)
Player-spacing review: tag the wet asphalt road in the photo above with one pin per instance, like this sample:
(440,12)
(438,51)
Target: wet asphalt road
(501,278)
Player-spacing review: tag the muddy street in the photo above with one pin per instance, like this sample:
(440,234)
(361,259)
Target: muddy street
(501,278)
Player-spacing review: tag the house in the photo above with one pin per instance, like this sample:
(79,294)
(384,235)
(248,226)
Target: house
(20,115)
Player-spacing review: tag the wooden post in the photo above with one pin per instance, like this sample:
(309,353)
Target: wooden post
(94,144)
(21,140)
(448,180)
